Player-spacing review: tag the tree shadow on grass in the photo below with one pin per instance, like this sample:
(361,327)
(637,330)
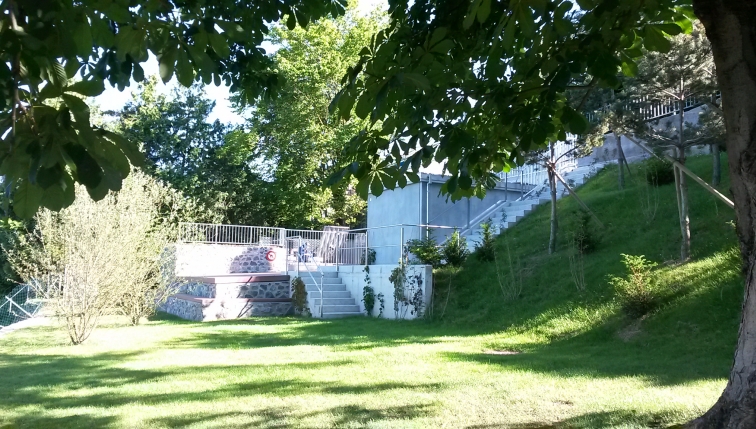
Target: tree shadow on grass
(343,334)
(595,420)
(691,338)
(281,417)
(62,385)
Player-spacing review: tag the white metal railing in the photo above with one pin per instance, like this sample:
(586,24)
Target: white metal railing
(303,258)
(537,174)
(649,107)
(231,234)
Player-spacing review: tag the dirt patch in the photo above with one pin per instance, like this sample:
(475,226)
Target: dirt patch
(501,352)
(631,331)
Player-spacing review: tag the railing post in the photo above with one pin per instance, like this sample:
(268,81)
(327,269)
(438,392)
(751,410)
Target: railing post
(321,294)
(401,245)
(522,183)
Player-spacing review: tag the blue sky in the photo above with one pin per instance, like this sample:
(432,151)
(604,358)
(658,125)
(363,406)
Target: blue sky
(112,99)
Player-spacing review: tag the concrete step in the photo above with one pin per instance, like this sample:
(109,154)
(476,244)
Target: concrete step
(341,308)
(329,294)
(316,274)
(326,280)
(334,301)
(341,314)
(326,288)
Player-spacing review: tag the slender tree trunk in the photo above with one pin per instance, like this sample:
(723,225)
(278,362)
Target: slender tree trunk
(730,28)
(716,170)
(684,211)
(620,160)
(682,188)
(553,192)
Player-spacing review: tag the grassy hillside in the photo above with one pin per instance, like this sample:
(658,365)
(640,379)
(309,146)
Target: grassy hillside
(692,336)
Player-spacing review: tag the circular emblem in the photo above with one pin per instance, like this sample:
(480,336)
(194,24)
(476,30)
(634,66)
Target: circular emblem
(270,256)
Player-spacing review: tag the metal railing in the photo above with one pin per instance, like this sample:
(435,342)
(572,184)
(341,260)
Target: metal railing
(390,241)
(303,258)
(231,234)
(537,174)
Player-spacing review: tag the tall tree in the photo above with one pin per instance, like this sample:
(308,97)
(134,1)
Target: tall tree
(478,83)
(205,160)
(298,137)
(681,74)
(46,147)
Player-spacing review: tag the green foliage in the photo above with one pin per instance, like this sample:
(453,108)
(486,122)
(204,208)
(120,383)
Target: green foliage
(370,257)
(408,291)
(298,140)
(454,250)
(658,172)
(486,248)
(207,161)
(638,290)
(94,258)
(583,232)
(369,297)
(56,53)
(299,296)
(425,250)
(415,80)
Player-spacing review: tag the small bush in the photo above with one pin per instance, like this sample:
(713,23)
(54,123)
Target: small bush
(299,296)
(485,248)
(425,251)
(455,250)
(638,292)
(658,172)
(583,232)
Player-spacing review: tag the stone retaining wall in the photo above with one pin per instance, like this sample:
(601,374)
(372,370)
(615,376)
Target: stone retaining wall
(201,310)
(275,289)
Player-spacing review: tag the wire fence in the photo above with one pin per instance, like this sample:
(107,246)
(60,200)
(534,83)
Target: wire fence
(20,304)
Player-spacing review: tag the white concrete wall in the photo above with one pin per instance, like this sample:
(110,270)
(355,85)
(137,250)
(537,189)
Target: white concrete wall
(353,277)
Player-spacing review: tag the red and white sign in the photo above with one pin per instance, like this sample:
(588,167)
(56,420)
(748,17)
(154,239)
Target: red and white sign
(270,256)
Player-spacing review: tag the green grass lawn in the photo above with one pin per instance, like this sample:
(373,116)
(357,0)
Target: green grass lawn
(556,357)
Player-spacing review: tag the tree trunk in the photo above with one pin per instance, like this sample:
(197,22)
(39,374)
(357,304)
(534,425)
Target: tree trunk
(620,160)
(553,192)
(716,170)
(684,211)
(554,223)
(682,187)
(729,27)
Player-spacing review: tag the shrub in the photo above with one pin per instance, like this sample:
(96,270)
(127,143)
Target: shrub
(369,297)
(93,258)
(658,171)
(299,296)
(638,291)
(425,251)
(486,247)
(583,233)
(455,250)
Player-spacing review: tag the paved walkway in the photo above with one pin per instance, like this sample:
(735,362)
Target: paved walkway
(34,321)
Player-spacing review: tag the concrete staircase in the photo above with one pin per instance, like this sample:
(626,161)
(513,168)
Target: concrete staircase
(336,300)
(509,213)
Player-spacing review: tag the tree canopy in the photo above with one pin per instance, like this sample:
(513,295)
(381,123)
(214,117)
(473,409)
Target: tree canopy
(56,52)
(298,138)
(479,83)
(208,161)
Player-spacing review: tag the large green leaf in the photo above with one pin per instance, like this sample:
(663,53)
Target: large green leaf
(167,61)
(26,199)
(89,88)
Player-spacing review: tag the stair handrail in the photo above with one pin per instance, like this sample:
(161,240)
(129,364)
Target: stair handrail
(317,268)
(479,218)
